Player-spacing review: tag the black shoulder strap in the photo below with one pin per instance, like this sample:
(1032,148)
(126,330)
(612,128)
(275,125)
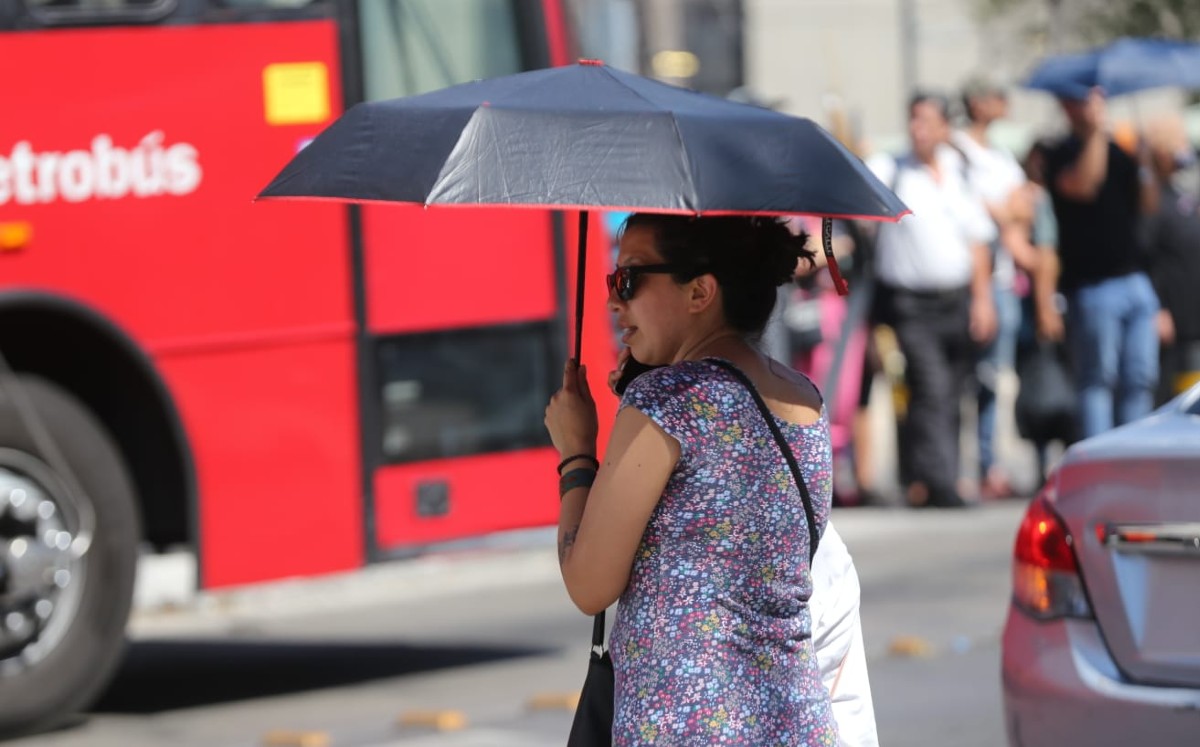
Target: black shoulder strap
(813,536)
(598,635)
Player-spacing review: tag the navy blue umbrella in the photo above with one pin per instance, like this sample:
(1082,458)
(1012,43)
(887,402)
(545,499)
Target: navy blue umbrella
(580,137)
(1124,66)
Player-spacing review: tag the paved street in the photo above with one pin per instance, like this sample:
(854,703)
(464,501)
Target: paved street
(481,647)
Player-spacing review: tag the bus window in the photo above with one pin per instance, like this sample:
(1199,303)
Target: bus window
(84,12)
(415,46)
(465,392)
(267,4)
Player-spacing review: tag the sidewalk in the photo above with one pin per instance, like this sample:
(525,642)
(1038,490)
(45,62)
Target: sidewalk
(935,589)
(167,604)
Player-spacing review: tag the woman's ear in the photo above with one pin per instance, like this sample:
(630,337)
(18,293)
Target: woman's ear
(703,293)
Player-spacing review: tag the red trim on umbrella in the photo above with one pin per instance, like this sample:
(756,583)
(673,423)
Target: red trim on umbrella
(613,208)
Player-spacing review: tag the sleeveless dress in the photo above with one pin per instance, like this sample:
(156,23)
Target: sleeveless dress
(712,643)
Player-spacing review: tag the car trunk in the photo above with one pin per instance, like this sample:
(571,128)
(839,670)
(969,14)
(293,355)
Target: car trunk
(1133,508)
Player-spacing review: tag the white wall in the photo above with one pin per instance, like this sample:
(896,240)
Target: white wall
(802,51)
(809,53)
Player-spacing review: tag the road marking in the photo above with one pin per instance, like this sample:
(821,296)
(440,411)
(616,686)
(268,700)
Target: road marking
(554,702)
(286,738)
(438,720)
(910,646)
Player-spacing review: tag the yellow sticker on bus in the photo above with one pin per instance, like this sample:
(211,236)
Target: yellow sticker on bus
(296,93)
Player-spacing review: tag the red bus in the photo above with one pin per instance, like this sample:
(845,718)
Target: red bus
(284,389)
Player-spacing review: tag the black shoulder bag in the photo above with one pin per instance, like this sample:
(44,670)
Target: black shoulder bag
(593,722)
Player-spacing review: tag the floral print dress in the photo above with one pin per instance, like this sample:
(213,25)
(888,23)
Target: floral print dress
(712,643)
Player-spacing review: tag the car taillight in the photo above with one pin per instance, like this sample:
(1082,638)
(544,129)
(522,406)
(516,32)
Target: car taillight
(1046,581)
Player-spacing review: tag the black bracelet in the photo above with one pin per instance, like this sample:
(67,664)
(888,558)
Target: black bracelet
(582,477)
(595,462)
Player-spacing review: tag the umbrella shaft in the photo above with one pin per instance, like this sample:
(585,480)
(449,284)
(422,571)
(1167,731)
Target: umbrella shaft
(580,272)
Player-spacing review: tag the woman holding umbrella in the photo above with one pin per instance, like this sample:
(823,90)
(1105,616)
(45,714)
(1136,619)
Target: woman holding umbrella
(715,488)
(736,565)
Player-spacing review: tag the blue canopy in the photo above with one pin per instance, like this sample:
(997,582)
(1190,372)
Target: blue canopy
(1125,66)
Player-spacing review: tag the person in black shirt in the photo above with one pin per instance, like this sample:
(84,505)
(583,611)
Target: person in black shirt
(1173,242)
(1098,194)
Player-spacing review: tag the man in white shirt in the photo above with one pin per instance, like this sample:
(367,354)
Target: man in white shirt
(934,270)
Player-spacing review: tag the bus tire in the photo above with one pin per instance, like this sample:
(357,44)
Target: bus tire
(71,668)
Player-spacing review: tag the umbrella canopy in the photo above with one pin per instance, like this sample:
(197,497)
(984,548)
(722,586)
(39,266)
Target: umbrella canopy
(585,136)
(1125,66)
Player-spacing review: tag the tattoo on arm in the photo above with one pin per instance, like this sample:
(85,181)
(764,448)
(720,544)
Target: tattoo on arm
(565,544)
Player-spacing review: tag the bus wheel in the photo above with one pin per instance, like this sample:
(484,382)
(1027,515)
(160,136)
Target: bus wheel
(68,555)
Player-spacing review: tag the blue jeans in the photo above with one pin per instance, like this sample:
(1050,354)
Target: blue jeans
(999,355)
(1114,348)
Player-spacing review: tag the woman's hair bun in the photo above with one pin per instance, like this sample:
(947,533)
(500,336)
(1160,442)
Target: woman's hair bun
(779,250)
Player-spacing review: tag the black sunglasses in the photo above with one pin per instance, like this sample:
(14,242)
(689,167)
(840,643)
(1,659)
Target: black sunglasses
(622,281)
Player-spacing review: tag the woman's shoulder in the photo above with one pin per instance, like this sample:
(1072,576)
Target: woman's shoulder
(672,379)
(681,382)
(678,397)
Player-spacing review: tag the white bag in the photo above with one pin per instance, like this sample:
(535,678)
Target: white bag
(837,638)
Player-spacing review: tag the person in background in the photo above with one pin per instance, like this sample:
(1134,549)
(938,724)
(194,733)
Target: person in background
(1039,342)
(1099,193)
(1172,238)
(998,179)
(935,291)
(828,334)
(1035,210)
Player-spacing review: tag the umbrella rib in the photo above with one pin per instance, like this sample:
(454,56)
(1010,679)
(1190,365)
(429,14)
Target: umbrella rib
(687,164)
(632,90)
(534,84)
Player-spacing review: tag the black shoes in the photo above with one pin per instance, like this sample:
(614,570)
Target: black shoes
(948,499)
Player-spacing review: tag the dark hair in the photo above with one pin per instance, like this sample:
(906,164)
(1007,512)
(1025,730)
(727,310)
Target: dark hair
(937,100)
(968,106)
(750,256)
(979,87)
(1034,163)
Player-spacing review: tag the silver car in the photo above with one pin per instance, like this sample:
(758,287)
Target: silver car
(1102,642)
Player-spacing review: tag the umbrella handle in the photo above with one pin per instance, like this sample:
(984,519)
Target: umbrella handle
(835,272)
(580,272)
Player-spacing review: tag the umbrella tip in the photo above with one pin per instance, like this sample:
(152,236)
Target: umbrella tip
(590,61)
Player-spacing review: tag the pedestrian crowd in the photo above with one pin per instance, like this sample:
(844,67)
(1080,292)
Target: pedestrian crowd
(1072,267)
